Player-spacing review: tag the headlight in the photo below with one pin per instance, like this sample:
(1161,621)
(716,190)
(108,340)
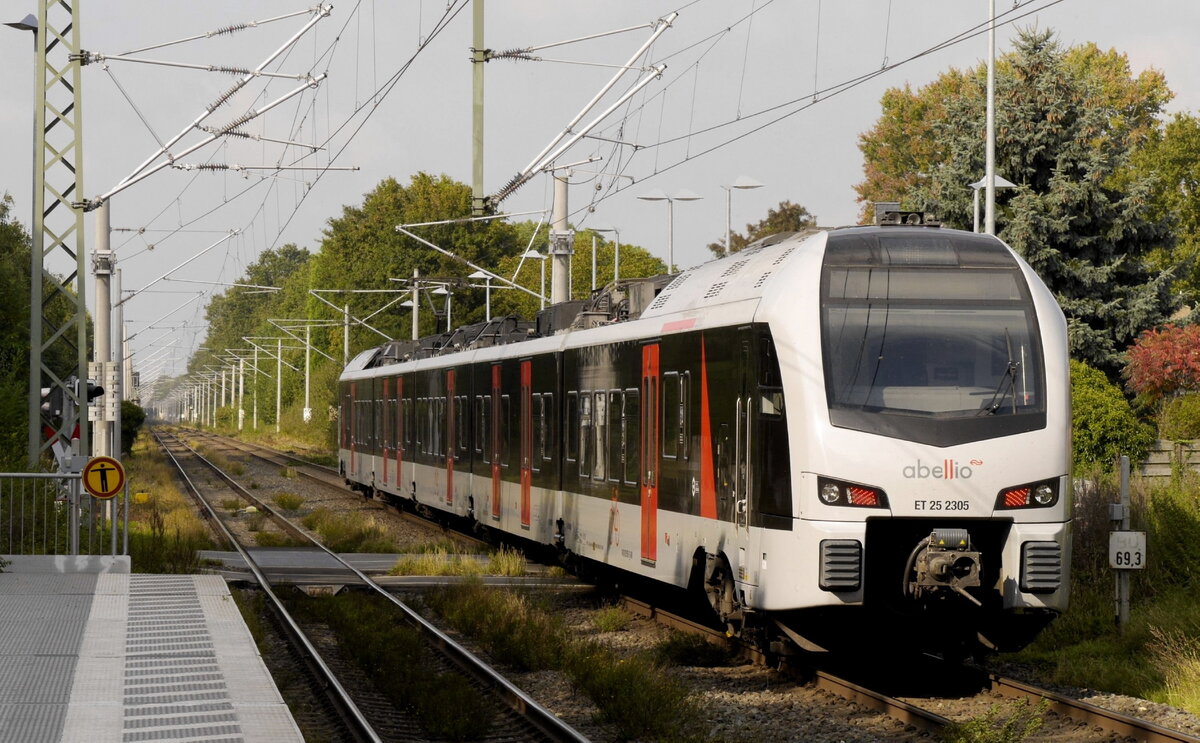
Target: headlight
(1029,495)
(1044,494)
(831,493)
(839,493)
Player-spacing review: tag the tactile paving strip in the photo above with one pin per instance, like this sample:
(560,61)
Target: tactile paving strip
(173,689)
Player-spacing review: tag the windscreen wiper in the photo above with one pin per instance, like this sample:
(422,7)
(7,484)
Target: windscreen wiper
(1009,380)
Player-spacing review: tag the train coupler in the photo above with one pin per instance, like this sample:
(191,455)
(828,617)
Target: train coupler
(944,562)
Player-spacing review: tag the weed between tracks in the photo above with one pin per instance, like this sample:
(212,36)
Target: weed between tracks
(164,530)
(1021,722)
(398,663)
(634,694)
(349,532)
(443,561)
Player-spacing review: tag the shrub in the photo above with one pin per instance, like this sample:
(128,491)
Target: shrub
(1179,418)
(1164,361)
(1104,425)
(288,501)
(611,619)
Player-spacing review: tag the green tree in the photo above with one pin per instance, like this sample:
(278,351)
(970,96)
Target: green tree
(1067,124)
(132,418)
(635,262)
(14,337)
(1170,161)
(362,249)
(1103,425)
(786,217)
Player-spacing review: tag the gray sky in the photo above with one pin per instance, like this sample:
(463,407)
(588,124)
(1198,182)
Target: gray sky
(729,71)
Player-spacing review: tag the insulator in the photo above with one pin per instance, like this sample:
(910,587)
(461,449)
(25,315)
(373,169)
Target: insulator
(222,98)
(229,70)
(228,30)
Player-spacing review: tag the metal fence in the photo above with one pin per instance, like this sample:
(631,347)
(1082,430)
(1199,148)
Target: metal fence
(48,514)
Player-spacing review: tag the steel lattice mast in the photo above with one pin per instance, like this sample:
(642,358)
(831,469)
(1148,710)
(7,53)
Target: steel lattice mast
(57,311)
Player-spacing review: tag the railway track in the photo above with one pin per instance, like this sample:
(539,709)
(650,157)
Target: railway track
(363,715)
(911,713)
(327,477)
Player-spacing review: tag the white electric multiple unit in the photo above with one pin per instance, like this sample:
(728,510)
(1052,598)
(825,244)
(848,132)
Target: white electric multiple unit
(822,433)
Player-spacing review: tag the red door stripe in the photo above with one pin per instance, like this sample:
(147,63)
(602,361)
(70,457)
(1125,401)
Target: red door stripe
(708,478)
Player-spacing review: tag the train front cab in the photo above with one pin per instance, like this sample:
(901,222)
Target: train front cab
(933,492)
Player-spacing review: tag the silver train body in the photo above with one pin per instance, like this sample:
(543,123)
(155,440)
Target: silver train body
(826,434)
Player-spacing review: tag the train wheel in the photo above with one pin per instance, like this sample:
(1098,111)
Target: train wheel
(722,593)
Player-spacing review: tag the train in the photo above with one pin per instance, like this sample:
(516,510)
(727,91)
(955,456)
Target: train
(828,437)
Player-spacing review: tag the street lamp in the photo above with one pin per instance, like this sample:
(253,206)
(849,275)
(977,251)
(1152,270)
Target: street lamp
(487,287)
(658,195)
(413,305)
(442,291)
(982,183)
(531,253)
(743,182)
(616,250)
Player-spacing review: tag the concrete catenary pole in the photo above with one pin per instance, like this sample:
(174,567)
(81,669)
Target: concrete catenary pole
(561,242)
(278,378)
(102,264)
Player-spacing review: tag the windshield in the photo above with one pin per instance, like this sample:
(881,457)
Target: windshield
(933,353)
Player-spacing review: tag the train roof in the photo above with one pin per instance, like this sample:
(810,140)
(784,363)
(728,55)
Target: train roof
(735,283)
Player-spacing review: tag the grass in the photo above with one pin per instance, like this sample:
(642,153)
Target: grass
(231,504)
(633,693)
(165,532)
(1157,655)
(447,561)
(1019,723)
(288,501)
(399,664)
(611,619)
(349,532)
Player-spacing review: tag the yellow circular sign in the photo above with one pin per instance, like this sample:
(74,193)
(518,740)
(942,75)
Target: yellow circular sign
(103,477)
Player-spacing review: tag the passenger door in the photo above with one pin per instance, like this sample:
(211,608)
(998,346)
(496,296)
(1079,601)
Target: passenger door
(649,450)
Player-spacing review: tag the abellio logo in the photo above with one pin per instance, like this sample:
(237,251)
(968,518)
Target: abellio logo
(948,469)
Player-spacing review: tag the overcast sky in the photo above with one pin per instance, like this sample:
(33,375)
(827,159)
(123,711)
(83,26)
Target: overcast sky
(732,66)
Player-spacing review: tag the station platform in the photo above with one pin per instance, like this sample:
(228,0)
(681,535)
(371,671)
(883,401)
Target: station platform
(94,654)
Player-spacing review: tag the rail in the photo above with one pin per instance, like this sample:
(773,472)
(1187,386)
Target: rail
(516,699)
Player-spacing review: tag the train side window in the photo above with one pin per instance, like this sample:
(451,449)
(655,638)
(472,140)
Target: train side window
(585,433)
(685,420)
(478,444)
(460,424)
(505,424)
(572,412)
(600,418)
(631,431)
(485,427)
(547,426)
(538,421)
(615,462)
(671,410)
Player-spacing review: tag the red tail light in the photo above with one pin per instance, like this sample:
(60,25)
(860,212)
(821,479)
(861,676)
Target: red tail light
(860,496)
(1016,497)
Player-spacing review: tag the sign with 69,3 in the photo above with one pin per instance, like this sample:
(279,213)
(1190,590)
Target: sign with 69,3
(1127,550)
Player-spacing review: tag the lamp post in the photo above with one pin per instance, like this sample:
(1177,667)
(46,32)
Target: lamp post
(743,182)
(487,288)
(531,253)
(443,291)
(982,183)
(658,195)
(616,250)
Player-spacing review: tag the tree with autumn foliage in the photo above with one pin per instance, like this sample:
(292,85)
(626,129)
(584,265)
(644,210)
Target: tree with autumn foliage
(1164,361)
(1068,121)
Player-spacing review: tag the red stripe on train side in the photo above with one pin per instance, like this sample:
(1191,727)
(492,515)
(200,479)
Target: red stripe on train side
(450,440)
(494,442)
(526,440)
(708,478)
